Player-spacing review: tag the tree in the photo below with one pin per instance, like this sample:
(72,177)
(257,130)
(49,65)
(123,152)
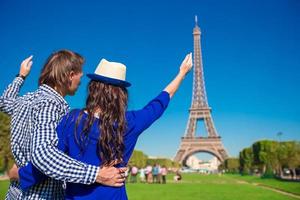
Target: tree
(138,159)
(6,157)
(290,156)
(163,162)
(232,165)
(265,156)
(246,160)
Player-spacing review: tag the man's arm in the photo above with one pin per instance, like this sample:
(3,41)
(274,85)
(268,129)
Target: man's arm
(54,163)
(12,91)
(45,155)
(29,176)
(13,173)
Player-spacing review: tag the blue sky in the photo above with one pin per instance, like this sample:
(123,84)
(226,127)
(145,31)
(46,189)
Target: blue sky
(251,56)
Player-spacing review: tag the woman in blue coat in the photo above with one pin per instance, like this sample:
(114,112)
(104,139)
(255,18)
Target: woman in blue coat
(104,132)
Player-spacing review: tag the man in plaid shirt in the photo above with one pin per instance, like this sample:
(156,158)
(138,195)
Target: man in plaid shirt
(34,118)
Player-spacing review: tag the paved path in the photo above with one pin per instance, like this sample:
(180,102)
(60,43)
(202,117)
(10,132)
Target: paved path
(2,178)
(271,188)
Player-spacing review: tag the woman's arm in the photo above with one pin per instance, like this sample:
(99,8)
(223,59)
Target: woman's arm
(142,119)
(185,67)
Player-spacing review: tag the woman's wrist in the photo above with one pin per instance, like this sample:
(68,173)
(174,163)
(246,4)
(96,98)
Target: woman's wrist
(181,74)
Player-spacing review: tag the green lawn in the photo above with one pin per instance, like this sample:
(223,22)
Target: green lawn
(204,187)
(3,188)
(292,187)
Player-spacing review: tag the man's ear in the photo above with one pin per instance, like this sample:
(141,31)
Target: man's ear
(70,78)
(71,75)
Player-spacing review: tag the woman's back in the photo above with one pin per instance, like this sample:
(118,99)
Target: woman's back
(137,122)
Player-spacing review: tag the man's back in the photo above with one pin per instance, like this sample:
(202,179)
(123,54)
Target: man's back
(25,119)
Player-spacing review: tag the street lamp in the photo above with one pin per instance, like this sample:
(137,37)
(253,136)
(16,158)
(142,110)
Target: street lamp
(279,134)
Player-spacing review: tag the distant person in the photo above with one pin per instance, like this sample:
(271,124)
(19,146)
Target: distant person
(177,177)
(155,172)
(133,174)
(159,174)
(142,175)
(164,173)
(104,131)
(150,177)
(148,171)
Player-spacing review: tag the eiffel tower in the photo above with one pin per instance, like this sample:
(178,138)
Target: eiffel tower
(199,111)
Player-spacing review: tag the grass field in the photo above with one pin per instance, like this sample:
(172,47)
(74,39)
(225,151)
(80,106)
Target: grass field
(205,187)
(292,187)
(3,188)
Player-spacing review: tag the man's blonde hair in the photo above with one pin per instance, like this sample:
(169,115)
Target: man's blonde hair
(58,67)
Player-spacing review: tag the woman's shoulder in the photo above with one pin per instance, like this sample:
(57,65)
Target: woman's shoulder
(71,116)
(73,113)
(68,122)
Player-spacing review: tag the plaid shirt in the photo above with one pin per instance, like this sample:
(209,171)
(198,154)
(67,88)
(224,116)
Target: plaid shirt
(34,118)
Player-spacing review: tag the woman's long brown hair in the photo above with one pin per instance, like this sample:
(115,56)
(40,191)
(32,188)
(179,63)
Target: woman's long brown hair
(111,101)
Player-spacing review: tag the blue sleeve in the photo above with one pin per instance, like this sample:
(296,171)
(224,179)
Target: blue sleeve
(142,119)
(138,121)
(29,175)
(63,133)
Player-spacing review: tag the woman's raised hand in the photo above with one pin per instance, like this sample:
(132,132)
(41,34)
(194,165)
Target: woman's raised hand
(185,67)
(186,64)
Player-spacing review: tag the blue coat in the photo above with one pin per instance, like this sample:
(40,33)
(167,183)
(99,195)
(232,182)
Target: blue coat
(137,122)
